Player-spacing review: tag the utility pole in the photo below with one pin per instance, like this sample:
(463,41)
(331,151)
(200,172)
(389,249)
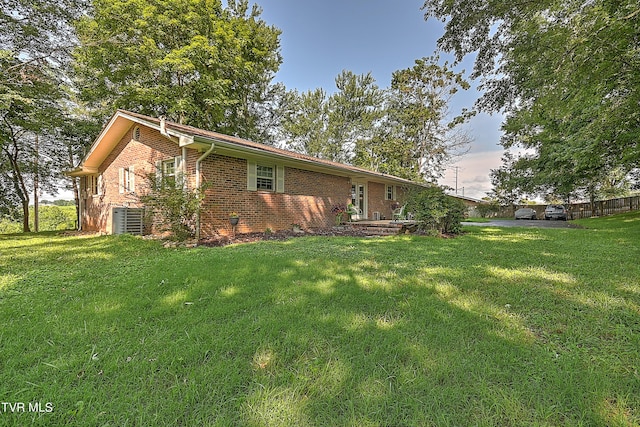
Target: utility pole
(456,167)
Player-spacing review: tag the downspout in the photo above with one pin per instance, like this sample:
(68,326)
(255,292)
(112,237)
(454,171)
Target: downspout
(163,128)
(198,184)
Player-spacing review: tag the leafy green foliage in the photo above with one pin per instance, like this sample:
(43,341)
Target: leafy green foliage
(173,207)
(192,61)
(337,127)
(419,114)
(566,75)
(40,133)
(406,130)
(436,212)
(50,218)
(485,210)
(29,111)
(305,121)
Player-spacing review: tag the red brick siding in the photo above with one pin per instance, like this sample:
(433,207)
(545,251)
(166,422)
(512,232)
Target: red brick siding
(377,203)
(307,199)
(378,199)
(142,155)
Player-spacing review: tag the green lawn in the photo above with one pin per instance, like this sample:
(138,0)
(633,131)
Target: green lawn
(499,327)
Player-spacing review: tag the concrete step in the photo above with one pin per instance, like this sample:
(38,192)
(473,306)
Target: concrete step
(385,228)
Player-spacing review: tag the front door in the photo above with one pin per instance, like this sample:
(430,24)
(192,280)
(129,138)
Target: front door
(359,200)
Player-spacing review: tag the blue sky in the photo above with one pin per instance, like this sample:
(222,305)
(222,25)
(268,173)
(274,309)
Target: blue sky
(321,38)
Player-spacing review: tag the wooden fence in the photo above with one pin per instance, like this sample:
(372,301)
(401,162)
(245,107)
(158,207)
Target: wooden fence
(604,207)
(583,210)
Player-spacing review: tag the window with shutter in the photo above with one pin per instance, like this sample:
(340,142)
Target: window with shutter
(391,192)
(126,180)
(265,177)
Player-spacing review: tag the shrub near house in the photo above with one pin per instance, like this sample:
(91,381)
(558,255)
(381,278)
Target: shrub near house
(435,212)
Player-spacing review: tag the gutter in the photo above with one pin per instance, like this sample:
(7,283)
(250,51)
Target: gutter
(199,185)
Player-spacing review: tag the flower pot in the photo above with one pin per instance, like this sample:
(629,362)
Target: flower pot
(234,220)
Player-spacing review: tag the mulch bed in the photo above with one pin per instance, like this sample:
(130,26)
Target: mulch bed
(279,235)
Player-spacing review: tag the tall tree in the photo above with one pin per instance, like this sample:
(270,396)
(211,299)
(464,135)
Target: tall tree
(26,118)
(335,127)
(566,73)
(421,116)
(355,111)
(408,130)
(305,122)
(193,61)
(35,41)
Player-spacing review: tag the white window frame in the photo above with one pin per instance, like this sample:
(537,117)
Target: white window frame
(162,165)
(390,195)
(276,178)
(169,168)
(127,180)
(265,178)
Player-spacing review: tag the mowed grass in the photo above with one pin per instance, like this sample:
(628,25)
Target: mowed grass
(499,327)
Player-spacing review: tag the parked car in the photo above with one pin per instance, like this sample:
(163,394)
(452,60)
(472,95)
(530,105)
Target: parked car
(555,212)
(526,213)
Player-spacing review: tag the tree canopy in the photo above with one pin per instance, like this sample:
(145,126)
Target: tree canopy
(334,127)
(193,61)
(421,117)
(567,76)
(35,41)
(407,130)
(67,64)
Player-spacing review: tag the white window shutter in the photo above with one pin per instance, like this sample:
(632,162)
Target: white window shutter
(100,184)
(280,179)
(121,180)
(132,180)
(251,176)
(179,172)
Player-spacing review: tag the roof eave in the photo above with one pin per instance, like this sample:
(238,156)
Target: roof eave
(230,147)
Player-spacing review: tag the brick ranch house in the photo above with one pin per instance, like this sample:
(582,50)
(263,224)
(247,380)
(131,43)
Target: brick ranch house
(266,186)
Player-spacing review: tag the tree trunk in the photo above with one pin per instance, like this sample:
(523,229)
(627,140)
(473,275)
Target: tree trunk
(76,191)
(25,216)
(19,185)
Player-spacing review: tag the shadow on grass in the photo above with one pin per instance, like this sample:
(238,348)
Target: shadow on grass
(494,328)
